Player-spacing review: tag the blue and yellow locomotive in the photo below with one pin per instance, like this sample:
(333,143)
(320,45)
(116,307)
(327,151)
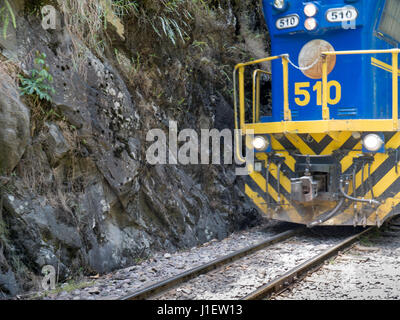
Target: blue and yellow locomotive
(328,153)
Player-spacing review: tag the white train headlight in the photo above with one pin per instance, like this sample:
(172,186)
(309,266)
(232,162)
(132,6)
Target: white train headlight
(310,10)
(372,142)
(260,143)
(279,4)
(310,24)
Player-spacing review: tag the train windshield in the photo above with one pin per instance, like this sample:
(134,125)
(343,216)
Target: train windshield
(390,21)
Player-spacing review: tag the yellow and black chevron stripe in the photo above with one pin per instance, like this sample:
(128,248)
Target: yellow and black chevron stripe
(380,179)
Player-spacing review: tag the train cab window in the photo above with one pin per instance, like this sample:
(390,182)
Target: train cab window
(390,21)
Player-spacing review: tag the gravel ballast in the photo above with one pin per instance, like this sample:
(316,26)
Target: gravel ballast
(369,271)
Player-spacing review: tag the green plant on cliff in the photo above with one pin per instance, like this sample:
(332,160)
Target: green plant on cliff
(122,8)
(168,18)
(6,16)
(39,83)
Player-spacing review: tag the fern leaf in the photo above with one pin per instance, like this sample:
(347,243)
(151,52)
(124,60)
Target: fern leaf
(10,10)
(163,25)
(5,26)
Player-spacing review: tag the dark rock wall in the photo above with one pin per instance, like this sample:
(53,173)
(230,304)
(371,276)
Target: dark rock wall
(83,198)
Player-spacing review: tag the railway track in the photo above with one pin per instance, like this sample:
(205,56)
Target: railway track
(278,284)
(163,286)
(285,281)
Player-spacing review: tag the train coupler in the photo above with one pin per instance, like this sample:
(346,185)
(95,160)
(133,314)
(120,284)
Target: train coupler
(304,189)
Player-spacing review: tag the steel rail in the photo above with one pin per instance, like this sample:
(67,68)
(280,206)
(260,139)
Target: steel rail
(168,284)
(284,281)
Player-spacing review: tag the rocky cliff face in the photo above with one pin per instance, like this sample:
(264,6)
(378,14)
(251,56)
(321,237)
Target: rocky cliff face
(76,190)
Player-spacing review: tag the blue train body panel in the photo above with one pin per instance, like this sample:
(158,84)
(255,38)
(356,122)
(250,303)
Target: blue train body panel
(355,92)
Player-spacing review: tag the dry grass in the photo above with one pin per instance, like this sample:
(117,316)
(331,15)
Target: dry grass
(84,21)
(87,21)
(34,174)
(135,72)
(40,178)
(9,70)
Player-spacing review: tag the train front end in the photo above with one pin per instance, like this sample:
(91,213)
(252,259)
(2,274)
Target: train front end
(328,151)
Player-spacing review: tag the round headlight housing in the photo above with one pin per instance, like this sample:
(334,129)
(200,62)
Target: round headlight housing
(372,142)
(279,4)
(310,24)
(310,10)
(260,143)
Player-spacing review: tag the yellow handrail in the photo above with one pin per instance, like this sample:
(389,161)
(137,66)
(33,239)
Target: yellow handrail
(239,68)
(287,115)
(344,52)
(395,75)
(325,92)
